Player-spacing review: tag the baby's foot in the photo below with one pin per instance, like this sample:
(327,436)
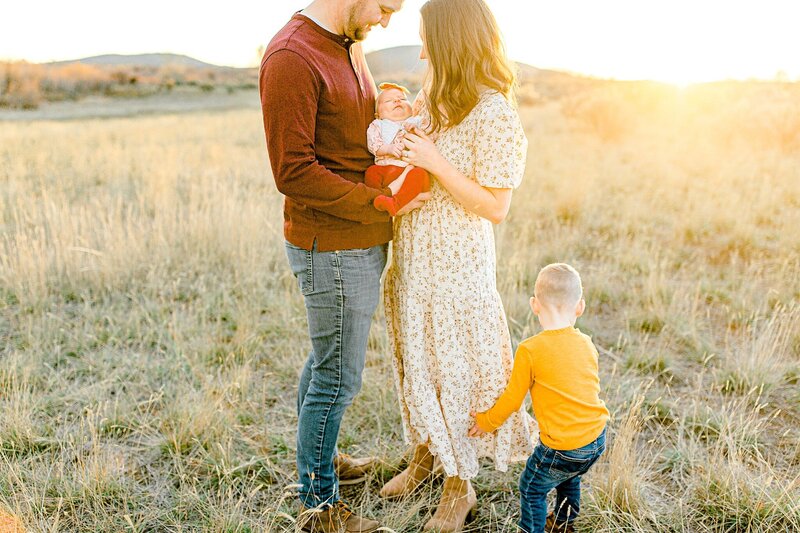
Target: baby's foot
(385,203)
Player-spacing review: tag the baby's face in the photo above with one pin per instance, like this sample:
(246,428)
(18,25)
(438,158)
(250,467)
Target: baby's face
(393,105)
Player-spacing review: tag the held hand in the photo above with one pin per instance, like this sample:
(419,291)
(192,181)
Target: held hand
(475,430)
(416,203)
(420,151)
(396,150)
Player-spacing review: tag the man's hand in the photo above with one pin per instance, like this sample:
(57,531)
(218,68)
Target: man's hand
(416,203)
(475,430)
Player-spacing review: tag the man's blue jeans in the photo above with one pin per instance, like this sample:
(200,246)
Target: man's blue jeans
(549,469)
(341,291)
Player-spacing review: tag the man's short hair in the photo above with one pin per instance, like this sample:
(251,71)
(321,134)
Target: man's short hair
(559,286)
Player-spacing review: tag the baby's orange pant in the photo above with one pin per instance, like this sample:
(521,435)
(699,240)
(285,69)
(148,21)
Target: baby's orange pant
(380,176)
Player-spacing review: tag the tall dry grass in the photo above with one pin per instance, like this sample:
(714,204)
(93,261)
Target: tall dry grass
(151,334)
(747,115)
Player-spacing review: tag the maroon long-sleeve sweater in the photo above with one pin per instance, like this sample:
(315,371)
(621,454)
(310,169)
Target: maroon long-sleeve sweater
(318,99)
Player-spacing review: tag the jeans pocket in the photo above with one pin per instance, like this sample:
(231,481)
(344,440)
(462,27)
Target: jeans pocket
(356,252)
(565,465)
(302,264)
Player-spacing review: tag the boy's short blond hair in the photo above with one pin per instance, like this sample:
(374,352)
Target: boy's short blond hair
(558,285)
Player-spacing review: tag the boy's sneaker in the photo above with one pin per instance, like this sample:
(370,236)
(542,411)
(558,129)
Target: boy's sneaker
(551,526)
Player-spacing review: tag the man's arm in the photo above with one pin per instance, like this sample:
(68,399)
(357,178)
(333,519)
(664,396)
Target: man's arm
(289,100)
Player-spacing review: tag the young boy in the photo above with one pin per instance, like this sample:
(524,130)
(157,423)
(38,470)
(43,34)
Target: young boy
(559,367)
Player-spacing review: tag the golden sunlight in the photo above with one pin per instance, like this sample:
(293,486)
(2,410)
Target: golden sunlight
(680,41)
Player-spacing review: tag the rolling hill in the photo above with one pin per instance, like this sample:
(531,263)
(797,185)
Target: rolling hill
(142,60)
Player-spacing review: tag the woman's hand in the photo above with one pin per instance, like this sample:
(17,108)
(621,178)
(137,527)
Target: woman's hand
(475,430)
(421,152)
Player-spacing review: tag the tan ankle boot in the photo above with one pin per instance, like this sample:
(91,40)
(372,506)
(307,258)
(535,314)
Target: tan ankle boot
(458,501)
(419,468)
(352,470)
(336,518)
(551,526)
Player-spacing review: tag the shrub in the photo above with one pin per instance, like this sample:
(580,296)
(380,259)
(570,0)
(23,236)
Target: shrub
(19,85)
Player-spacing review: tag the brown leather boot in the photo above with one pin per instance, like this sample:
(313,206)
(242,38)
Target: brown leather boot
(336,518)
(551,526)
(351,470)
(418,469)
(457,503)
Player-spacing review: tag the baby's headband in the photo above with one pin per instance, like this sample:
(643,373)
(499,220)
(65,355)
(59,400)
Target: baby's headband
(388,85)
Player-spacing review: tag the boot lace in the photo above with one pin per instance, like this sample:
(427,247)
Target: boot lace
(343,510)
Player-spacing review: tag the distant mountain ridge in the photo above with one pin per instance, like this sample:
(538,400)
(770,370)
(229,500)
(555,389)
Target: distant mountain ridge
(396,59)
(405,59)
(385,62)
(143,60)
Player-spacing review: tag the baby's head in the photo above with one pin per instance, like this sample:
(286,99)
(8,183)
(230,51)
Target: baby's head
(558,292)
(392,102)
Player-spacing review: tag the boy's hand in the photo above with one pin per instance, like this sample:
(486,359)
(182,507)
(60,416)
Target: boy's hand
(475,430)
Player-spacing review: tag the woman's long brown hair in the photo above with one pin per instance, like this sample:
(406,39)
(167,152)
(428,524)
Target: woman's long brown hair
(465,51)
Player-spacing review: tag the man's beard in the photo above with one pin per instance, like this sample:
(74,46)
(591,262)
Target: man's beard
(352,28)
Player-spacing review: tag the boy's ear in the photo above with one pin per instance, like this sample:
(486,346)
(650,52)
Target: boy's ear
(580,308)
(535,306)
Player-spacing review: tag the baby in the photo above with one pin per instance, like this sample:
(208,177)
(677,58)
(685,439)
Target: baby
(385,141)
(559,368)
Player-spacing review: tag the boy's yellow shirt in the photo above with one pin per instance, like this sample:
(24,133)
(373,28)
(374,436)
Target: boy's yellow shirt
(559,368)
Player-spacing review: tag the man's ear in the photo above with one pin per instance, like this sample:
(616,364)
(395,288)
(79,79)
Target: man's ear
(580,308)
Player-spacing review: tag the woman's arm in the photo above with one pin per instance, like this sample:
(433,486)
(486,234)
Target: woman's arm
(487,202)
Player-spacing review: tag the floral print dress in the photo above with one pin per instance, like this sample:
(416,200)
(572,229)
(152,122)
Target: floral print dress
(451,349)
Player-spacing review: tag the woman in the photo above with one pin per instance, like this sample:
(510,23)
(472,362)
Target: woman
(447,328)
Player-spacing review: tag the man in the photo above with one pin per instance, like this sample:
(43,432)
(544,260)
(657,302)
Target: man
(318,98)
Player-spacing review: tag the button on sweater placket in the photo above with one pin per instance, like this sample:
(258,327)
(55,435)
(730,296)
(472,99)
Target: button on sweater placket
(356,70)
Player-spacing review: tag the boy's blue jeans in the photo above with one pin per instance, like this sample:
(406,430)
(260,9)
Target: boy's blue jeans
(549,469)
(341,291)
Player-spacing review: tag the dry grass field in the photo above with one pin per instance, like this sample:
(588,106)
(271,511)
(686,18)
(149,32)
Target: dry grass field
(151,333)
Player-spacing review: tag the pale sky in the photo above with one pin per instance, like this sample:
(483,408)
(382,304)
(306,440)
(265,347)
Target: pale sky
(677,41)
